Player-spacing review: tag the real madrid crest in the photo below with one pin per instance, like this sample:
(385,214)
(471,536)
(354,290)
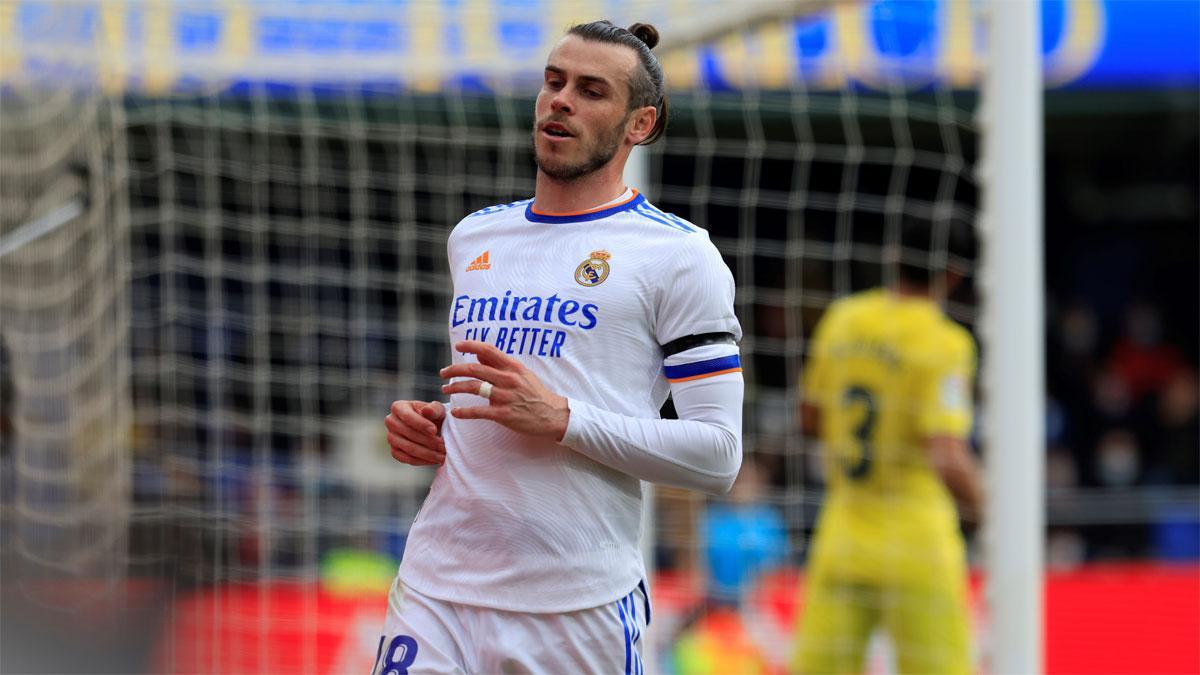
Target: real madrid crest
(594,270)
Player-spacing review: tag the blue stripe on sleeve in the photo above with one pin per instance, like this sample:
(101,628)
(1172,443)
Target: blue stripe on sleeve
(702,367)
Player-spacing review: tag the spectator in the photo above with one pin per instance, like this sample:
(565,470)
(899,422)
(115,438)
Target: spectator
(1118,458)
(1062,475)
(744,537)
(1065,548)
(1175,447)
(1140,358)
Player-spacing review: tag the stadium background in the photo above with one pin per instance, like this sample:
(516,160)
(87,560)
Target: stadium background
(1122,151)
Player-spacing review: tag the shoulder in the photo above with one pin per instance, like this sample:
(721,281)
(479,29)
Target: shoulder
(855,304)
(487,216)
(498,208)
(941,340)
(672,245)
(665,222)
(957,339)
(490,213)
(689,243)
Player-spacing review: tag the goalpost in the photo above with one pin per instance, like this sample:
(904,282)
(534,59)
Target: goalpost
(259,242)
(1014,372)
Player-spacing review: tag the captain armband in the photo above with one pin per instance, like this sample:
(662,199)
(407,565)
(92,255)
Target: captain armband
(710,356)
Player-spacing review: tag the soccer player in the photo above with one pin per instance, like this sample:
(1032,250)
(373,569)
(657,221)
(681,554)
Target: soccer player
(572,316)
(888,391)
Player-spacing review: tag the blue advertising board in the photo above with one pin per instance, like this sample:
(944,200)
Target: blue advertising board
(433,44)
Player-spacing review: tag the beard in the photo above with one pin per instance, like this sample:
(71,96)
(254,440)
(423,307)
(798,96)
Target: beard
(596,155)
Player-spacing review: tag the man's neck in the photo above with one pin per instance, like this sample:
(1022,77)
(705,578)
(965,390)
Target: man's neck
(909,290)
(599,187)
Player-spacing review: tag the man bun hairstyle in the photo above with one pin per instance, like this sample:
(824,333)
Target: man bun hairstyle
(646,87)
(646,33)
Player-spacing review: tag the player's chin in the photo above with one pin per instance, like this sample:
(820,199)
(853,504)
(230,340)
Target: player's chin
(554,165)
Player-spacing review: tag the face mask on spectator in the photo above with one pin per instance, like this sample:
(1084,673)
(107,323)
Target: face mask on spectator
(1117,456)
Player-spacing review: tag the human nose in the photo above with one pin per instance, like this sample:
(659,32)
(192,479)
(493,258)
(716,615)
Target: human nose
(562,102)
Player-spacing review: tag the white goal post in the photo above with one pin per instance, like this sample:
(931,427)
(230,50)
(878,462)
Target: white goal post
(1014,369)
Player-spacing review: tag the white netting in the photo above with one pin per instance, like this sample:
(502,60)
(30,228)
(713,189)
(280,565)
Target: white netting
(65,399)
(279,272)
(64,275)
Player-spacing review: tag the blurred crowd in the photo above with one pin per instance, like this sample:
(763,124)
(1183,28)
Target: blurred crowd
(1123,411)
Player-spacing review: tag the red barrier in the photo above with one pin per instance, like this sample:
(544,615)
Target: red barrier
(278,628)
(1128,618)
(1123,619)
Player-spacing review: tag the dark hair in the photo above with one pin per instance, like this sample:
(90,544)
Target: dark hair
(931,248)
(646,86)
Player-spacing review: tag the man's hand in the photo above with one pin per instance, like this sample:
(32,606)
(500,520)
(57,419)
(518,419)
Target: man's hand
(518,399)
(415,432)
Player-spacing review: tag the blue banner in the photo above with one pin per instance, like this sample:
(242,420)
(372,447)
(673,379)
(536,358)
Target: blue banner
(1139,43)
(430,45)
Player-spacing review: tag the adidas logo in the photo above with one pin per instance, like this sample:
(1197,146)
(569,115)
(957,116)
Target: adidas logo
(480,263)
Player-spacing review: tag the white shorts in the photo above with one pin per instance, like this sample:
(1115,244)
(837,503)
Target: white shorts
(426,635)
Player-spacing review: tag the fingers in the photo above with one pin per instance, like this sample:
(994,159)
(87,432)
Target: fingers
(405,414)
(430,449)
(433,411)
(472,387)
(405,457)
(413,432)
(479,412)
(478,372)
(489,355)
(433,443)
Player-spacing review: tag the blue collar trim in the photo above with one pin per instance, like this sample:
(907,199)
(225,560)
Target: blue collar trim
(583,217)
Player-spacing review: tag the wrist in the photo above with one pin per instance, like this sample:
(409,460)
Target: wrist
(562,418)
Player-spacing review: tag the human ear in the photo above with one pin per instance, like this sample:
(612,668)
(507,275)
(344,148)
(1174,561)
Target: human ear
(641,124)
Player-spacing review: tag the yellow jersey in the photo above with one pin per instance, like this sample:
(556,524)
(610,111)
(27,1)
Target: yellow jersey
(888,372)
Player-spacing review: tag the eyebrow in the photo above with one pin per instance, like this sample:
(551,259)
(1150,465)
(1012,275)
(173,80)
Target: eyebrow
(596,79)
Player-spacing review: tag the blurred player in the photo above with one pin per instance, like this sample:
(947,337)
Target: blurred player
(888,391)
(572,316)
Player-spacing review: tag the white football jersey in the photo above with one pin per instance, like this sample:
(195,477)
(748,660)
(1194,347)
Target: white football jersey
(586,302)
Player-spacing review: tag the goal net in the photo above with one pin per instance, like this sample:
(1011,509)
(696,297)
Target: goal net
(65,404)
(222,255)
